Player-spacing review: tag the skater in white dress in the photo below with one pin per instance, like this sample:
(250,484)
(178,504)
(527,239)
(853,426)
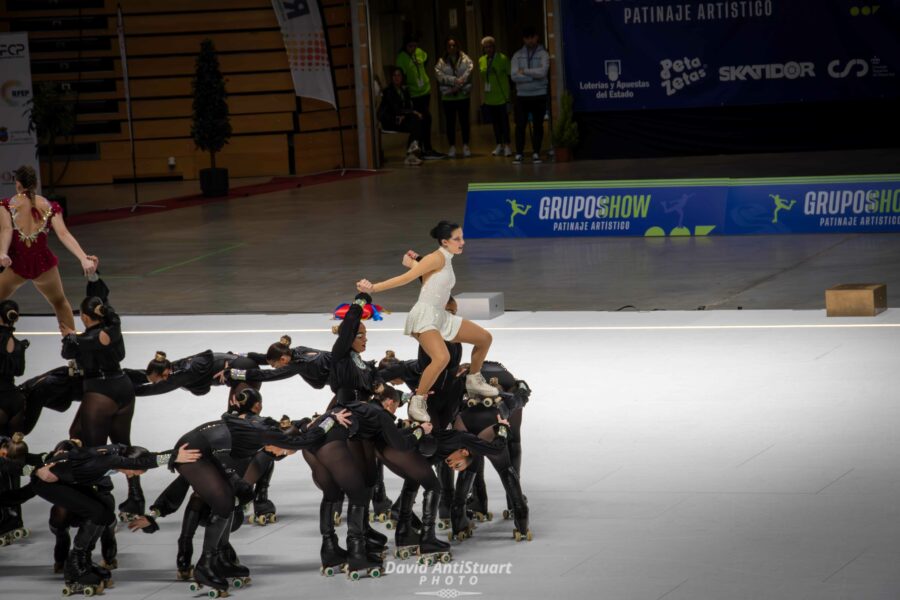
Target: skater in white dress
(431,325)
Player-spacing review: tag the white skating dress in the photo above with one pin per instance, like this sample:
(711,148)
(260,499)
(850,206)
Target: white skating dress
(430,312)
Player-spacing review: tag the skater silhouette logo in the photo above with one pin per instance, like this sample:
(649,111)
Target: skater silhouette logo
(517,209)
(781,204)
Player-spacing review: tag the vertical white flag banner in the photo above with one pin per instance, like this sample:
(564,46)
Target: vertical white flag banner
(303,31)
(17,145)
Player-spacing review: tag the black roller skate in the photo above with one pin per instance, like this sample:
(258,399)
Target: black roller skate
(109,549)
(133,507)
(445,475)
(510,479)
(334,558)
(381,504)
(478,501)
(263,508)
(11,526)
(204,575)
(376,542)
(79,576)
(189,524)
(61,548)
(359,561)
(425,545)
(395,517)
(238,574)
(406,538)
(461,527)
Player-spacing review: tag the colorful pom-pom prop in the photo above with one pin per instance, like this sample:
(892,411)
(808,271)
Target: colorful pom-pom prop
(369,311)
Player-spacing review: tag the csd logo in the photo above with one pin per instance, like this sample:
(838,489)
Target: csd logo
(858,65)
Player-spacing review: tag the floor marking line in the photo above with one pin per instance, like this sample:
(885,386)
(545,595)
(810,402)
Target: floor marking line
(673,589)
(754,456)
(196,258)
(846,564)
(836,480)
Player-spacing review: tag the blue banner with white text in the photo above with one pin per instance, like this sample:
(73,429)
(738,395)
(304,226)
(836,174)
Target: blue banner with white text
(681,208)
(636,54)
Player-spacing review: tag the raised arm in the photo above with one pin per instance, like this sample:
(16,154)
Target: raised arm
(6,232)
(88,263)
(431,263)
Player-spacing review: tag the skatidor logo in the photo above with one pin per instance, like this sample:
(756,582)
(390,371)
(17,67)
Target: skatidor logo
(517,209)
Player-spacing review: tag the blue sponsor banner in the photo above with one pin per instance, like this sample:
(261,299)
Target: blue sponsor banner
(684,207)
(635,54)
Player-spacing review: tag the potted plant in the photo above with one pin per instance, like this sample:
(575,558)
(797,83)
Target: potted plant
(565,130)
(51,115)
(211,127)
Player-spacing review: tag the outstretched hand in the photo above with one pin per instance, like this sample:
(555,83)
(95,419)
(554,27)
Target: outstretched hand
(220,376)
(138,523)
(343,417)
(187,455)
(364,285)
(502,421)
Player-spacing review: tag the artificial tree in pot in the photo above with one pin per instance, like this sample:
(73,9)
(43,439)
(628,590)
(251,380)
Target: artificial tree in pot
(565,130)
(51,115)
(211,127)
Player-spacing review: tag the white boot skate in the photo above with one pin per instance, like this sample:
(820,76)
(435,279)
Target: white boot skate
(476,385)
(418,409)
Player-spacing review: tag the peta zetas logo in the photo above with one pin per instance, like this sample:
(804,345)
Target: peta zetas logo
(675,75)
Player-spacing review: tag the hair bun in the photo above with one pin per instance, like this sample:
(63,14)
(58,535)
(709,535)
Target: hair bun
(17,437)
(389,354)
(285,339)
(160,356)
(101,310)
(77,442)
(12,316)
(335,329)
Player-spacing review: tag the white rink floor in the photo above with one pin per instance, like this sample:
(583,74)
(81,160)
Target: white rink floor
(676,455)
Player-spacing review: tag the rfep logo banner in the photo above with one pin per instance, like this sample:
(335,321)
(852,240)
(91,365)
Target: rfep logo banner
(680,208)
(635,54)
(17,144)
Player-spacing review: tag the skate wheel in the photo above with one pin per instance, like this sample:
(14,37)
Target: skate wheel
(354,575)
(261,520)
(2,541)
(337,519)
(488,402)
(382,518)
(507,514)
(389,525)
(446,557)
(88,592)
(517,535)
(371,518)
(472,403)
(403,554)
(195,587)
(328,571)
(273,519)
(66,592)
(25,533)
(376,573)
(489,516)
(250,519)
(237,583)
(528,536)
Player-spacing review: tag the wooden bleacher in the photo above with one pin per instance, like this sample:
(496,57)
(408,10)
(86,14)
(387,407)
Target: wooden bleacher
(75,42)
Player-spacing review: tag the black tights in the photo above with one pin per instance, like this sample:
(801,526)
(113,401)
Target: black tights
(338,461)
(99,418)
(12,413)
(411,466)
(209,481)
